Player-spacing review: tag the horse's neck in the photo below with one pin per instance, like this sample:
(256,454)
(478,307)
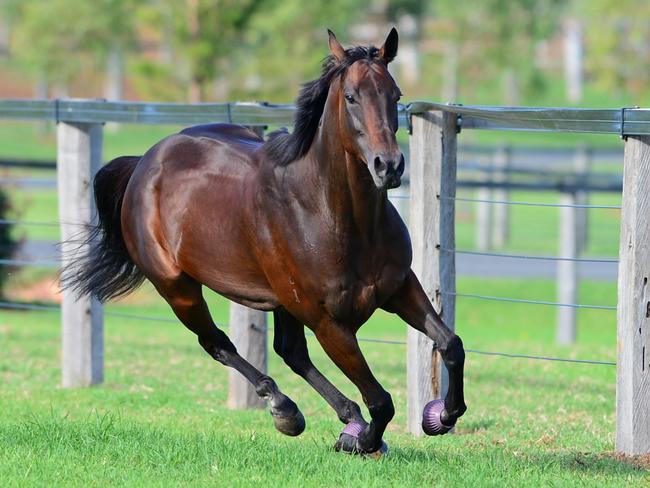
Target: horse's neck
(350,195)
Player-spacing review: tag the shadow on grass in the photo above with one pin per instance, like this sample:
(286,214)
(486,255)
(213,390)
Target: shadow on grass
(599,464)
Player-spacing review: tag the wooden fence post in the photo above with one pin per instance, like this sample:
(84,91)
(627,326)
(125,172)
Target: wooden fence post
(79,157)
(582,165)
(567,271)
(248,332)
(501,166)
(483,228)
(633,311)
(433,187)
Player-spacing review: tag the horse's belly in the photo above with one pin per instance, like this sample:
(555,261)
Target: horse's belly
(227,267)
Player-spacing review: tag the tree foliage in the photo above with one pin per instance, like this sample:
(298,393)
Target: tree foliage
(264,49)
(499,35)
(58,39)
(618,35)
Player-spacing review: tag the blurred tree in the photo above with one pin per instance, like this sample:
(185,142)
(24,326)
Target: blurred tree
(617,38)
(407,16)
(287,40)
(496,38)
(56,50)
(8,244)
(206,34)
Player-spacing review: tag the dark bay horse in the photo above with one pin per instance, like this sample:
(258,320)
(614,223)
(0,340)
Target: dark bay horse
(299,225)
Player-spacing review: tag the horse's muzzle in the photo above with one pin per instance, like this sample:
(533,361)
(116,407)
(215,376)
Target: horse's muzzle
(389,172)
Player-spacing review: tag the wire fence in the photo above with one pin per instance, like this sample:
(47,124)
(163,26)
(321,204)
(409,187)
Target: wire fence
(531,204)
(110,313)
(528,256)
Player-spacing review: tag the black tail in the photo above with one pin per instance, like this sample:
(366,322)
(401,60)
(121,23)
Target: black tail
(106,270)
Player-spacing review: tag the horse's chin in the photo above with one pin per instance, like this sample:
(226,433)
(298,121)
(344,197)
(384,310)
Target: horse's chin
(388,183)
(395,182)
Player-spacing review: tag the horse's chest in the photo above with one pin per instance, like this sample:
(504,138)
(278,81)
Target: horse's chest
(353,302)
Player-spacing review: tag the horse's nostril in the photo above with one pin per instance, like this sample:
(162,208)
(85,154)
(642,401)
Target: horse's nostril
(380,167)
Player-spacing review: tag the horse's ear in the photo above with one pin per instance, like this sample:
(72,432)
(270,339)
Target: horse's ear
(388,51)
(335,47)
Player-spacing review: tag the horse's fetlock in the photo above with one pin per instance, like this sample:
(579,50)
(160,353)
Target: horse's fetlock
(266,388)
(349,412)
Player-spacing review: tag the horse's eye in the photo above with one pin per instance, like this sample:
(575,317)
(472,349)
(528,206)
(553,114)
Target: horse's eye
(350,98)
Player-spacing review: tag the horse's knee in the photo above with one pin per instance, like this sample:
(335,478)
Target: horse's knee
(452,352)
(382,410)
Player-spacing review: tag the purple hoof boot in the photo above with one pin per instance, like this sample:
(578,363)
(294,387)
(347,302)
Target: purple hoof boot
(431,423)
(348,441)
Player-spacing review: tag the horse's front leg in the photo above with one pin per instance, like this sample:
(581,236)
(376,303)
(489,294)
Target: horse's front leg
(342,347)
(413,306)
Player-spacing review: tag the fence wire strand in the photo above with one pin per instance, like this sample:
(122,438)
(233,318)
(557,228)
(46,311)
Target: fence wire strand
(527,256)
(30,262)
(530,204)
(522,300)
(56,308)
(28,222)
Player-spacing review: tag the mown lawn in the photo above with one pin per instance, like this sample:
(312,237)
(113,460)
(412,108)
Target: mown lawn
(160,418)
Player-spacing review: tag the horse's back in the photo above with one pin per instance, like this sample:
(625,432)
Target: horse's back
(227,133)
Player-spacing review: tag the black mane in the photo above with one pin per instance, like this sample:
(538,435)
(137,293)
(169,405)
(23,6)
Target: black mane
(285,148)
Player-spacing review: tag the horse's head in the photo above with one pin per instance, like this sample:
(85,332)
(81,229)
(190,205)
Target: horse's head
(367,109)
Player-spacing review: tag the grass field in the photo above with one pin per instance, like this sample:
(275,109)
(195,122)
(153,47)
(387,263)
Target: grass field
(160,418)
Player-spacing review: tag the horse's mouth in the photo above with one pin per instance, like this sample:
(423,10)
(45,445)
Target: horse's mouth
(392,181)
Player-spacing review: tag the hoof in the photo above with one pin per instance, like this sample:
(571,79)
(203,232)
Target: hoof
(348,442)
(292,424)
(431,423)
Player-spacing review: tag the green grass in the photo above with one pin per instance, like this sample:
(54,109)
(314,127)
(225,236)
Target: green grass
(160,417)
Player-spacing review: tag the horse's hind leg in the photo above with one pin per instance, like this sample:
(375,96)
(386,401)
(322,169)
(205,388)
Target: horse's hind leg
(185,297)
(290,344)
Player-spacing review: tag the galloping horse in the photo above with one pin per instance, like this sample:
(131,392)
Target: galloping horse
(299,225)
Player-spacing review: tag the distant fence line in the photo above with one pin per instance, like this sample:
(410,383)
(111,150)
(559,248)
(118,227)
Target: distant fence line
(433,152)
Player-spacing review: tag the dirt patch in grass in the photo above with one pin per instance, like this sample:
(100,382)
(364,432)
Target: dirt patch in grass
(44,290)
(641,461)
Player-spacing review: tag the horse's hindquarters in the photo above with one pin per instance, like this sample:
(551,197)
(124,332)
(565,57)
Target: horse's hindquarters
(188,213)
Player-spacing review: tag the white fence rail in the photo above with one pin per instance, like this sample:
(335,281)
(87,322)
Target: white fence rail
(432,202)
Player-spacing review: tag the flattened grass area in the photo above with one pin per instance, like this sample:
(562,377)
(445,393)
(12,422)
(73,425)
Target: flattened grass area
(161,419)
